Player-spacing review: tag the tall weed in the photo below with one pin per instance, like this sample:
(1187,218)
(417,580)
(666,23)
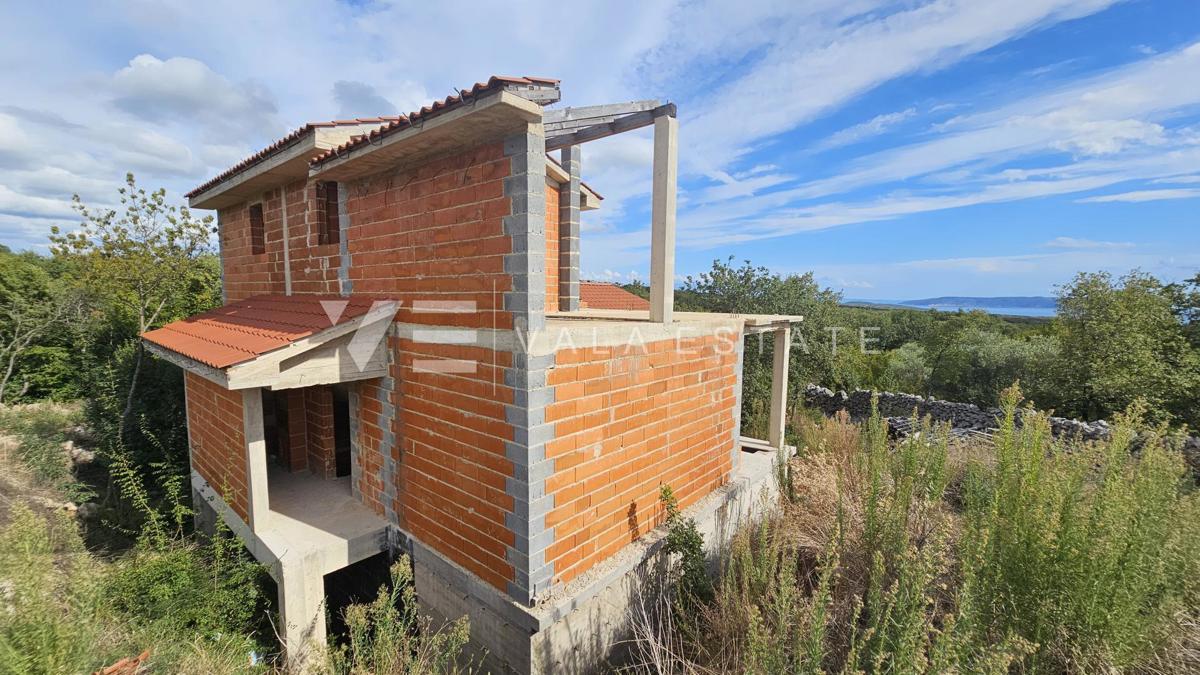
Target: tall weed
(388,636)
(1089,553)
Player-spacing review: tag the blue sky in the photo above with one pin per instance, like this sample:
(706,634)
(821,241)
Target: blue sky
(897,149)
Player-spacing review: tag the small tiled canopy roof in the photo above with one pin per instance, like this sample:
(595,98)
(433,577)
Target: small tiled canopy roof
(247,329)
(603,295)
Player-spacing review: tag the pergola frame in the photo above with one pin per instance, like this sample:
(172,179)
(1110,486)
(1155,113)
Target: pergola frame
(566,129)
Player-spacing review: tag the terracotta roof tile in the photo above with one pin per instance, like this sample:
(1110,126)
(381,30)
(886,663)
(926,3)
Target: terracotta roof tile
(279,145)
(494,83)
(604,295)
(244,330)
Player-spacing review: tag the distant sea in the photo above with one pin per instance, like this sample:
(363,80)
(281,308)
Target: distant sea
(1025,306)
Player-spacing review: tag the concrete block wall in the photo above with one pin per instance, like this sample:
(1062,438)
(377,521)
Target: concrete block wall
(218,441)
(626,420)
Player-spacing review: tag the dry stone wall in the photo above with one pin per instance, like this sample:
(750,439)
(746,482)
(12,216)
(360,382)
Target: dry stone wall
(960,416)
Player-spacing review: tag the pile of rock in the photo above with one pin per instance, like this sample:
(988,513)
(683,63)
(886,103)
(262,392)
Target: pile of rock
(961,416)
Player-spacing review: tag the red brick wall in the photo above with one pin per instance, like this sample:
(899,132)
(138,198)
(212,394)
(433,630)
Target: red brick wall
(218,440)
(297,417)
(369,444)
(314,265)
(627,420)
(453,466)
(318,407)
(551,246)
(435,233)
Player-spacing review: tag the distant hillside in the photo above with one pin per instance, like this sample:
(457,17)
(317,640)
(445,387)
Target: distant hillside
(1007,302)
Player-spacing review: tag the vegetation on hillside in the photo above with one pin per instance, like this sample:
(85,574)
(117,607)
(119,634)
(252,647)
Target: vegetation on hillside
(927,555)
(1115,341)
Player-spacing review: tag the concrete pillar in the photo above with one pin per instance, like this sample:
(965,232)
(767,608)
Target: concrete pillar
(301,612)
(287,244)
(256,458)
(662,219)
(569,203)
(525,187)
(779,386)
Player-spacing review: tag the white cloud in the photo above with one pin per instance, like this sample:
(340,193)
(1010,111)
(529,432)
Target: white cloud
(182,89)
(1145,196)
(1075,243)
(359,99)
(1179,180)
(872,127)
(797,80)
(16,204)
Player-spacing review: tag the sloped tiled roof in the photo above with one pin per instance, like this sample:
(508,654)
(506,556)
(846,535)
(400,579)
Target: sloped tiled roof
(494,83)
(604,295)
(247,329)
(282,143)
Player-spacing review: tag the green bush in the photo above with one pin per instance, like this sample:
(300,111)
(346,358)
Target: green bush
(388,636)
(932,555)
(67,611)
(1088,554)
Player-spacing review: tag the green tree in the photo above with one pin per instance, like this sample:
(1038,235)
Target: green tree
(33,304)
(1121,341)
(139,263)
(907,369)
(1185,299)
(756,290)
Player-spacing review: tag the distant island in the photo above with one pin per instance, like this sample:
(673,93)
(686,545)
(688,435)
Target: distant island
(1006,302)
(1023,305)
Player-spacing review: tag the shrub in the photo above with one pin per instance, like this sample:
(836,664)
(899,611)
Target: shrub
(685,541)
(931,555)
(389,637)
(1089,554)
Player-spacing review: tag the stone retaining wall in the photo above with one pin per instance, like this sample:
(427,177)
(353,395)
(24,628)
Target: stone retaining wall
(965,416)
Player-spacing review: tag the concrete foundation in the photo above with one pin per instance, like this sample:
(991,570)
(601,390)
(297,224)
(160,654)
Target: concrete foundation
(578,628)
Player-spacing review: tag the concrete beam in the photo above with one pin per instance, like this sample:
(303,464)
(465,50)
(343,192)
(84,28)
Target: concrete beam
(287,253)
(618,125)
(662,221)
(779,386)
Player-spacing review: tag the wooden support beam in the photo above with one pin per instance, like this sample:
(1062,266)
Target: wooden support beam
(662,218)
(637,120)
(779,386)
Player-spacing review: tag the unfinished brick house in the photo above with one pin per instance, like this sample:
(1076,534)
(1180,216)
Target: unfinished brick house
(403,364)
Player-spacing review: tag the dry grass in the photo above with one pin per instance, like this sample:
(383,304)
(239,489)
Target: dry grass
(934,554)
